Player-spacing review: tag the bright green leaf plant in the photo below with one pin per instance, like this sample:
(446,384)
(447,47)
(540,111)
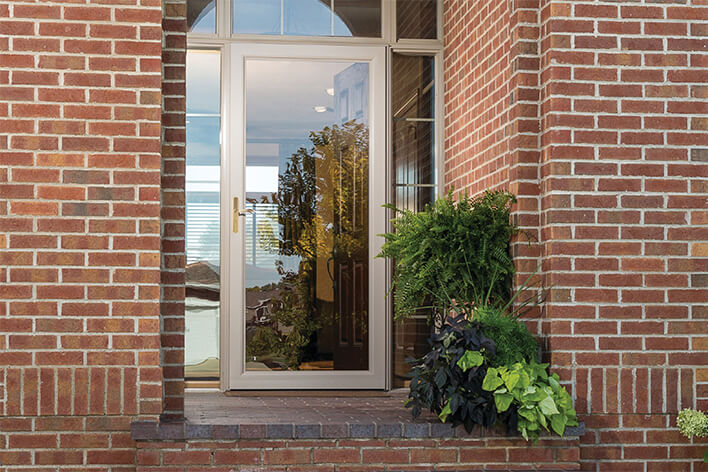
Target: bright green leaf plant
(693,423)
(539,398)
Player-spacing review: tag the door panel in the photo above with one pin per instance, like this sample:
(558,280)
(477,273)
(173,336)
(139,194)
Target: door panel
(302,310)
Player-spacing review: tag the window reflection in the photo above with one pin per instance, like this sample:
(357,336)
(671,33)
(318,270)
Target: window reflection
(201,16)
(359,18)
(416,19)
(307,17)
(202,215)
(256,16)
(413,130)
(307,240)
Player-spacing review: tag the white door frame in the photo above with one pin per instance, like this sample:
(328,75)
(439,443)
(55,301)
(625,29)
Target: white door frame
(233,374)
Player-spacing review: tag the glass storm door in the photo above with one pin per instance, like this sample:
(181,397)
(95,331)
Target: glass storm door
(306,178)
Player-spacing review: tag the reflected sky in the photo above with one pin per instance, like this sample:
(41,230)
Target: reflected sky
(299,17)
(203,81)
(201,16)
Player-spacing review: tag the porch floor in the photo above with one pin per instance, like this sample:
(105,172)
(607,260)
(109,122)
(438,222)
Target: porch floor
(300,408)
(304,415)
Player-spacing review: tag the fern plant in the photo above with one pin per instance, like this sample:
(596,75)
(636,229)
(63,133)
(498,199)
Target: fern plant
(453,250)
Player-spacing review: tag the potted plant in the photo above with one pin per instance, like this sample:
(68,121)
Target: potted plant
(482,367)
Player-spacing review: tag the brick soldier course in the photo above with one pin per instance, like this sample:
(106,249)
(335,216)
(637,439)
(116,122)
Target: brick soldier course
(593,113)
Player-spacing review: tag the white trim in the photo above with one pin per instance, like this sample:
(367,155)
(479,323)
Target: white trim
(227,43)
(389,215)
(235,376)
(225,275)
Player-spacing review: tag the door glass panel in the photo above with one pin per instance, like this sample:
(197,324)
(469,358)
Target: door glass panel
(202,215)
(359,18)
(306,241)
(417,19)
(201,16)
(413,130)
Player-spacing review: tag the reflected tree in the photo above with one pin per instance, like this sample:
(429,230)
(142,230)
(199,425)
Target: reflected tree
(322,203)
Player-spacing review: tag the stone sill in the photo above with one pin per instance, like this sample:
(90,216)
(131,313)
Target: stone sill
(215,416)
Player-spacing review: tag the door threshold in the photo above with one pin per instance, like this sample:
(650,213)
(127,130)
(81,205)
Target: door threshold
(201,384)
(308,393)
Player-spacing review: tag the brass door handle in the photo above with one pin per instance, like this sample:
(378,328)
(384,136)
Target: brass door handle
(239,212)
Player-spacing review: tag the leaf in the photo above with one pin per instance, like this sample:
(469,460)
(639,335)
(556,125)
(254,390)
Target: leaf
(541,419)
(491,380)
(529,414)
(525,379)
(548,406)
(503,400)
(555,385)
(440,378)
(511,380)
(470,359)
(558,423)
(455,402)
(445,412)
(539,370)
(564,401)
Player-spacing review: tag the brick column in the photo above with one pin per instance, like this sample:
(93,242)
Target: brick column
(173,204)
(79,228)
(622,180)
(624,214)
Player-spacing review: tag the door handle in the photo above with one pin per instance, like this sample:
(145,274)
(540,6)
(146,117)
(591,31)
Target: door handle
(239,212)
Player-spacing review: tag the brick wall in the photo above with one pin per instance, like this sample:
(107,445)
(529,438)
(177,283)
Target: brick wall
(622,219)
(592,112)
(477,74)
(625,221)
(79,229)
(358,455)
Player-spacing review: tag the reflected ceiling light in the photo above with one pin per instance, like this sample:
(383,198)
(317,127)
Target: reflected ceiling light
(330,91)
(322,109)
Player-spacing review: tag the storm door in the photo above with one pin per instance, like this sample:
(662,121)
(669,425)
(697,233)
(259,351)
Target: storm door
(306,176)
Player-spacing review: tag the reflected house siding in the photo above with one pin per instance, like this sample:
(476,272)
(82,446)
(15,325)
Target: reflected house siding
(262,229)
(203,230)
(351,91)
